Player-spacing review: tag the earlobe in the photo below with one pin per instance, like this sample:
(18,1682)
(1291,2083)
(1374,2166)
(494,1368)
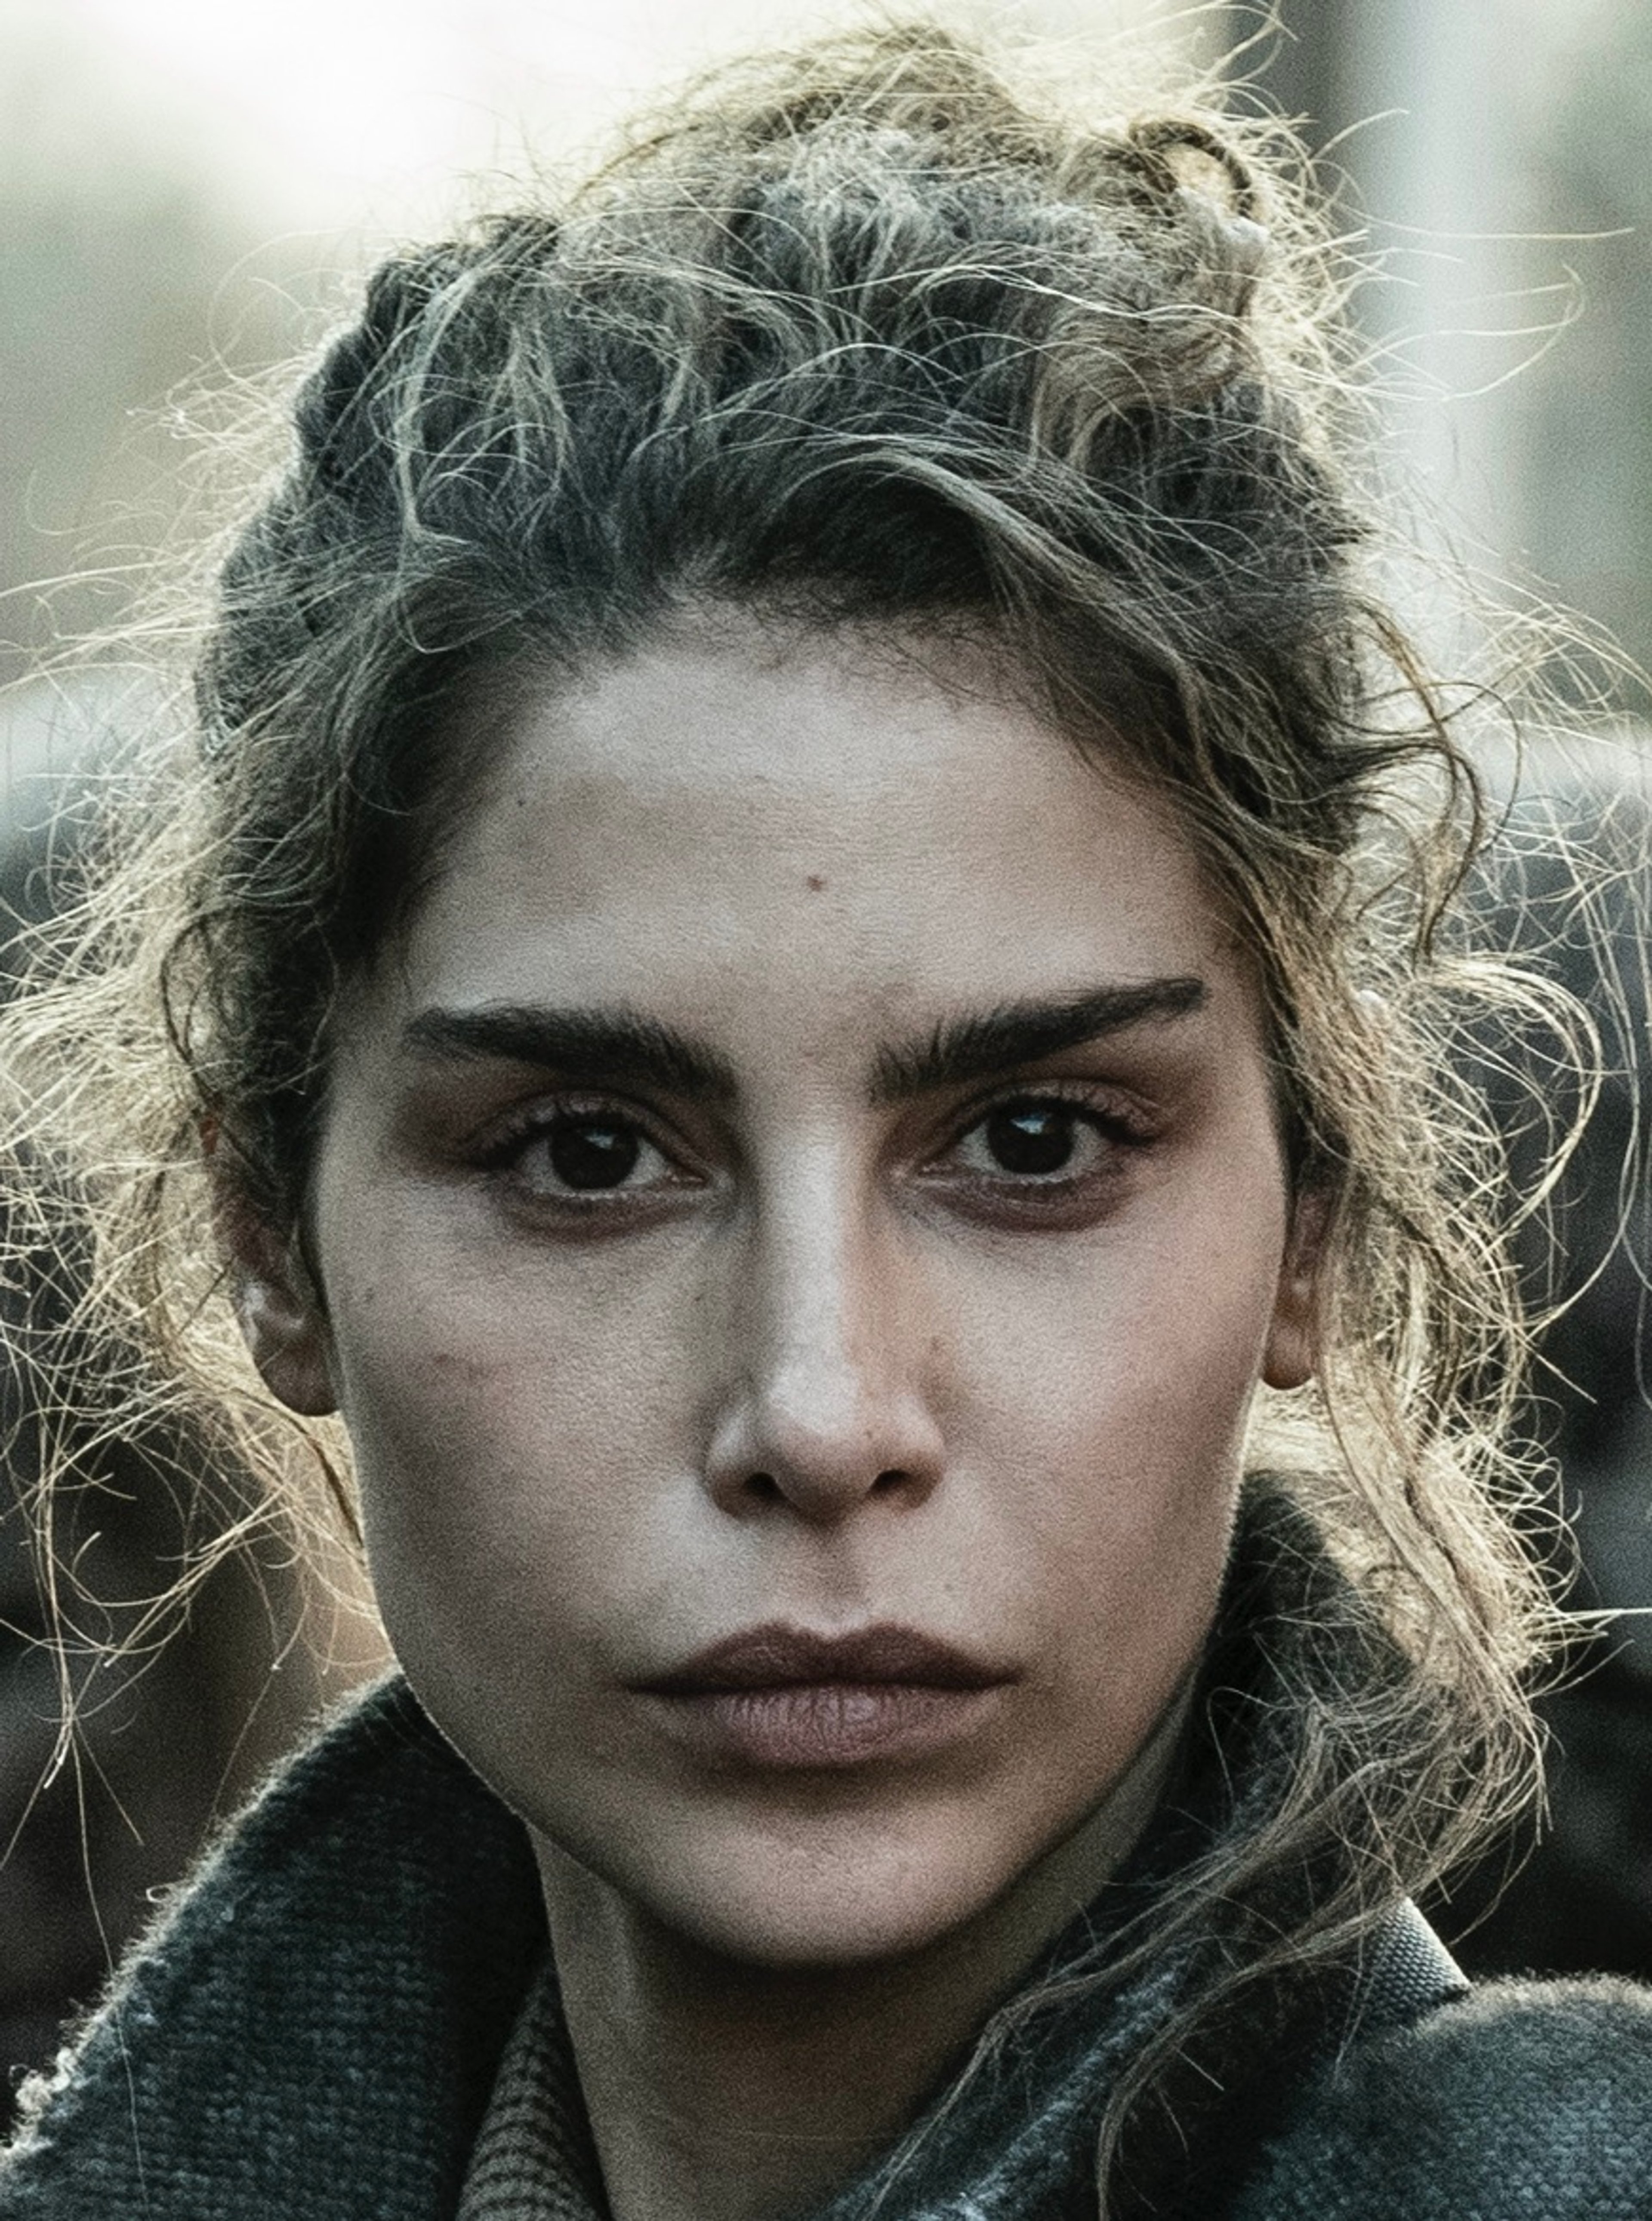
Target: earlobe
(1293,1353)
(277,1307)
(289,1344)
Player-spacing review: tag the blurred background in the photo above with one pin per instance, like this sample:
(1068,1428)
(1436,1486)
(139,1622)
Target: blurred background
(187,193)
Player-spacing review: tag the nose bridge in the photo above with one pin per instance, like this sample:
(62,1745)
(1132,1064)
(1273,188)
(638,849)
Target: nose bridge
(826,1406)
(814,1265)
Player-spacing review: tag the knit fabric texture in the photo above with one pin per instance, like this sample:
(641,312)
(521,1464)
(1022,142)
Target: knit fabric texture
(1527,2101)
(313,2029)
(1511,2101)
(534,2158)
(1020,2145)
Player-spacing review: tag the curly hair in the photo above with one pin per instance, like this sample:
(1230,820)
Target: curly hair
(865,335)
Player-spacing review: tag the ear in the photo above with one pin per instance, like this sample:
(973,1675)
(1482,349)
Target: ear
(1292,1350)
(281,1315)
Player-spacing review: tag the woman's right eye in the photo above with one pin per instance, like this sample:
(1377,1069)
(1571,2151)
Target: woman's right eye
(586,1154)
(592,1154)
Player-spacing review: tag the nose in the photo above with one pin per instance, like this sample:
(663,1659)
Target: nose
(828,1404)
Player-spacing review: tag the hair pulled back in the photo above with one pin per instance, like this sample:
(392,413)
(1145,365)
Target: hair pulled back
(861,336)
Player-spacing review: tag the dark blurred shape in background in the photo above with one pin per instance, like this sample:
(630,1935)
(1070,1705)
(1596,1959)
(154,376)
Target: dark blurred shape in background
(1497,156)
(1576,1892)
(171,1734)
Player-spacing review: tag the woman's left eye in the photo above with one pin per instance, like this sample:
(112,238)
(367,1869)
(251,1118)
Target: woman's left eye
(1038,1138)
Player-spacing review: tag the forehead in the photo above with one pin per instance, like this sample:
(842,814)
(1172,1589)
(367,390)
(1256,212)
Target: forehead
(731,808)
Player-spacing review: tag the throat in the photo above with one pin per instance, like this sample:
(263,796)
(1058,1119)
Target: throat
(718,2090)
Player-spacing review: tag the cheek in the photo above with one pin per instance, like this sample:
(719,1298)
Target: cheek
(1142,1352)
(1103,1414)
(499,1435)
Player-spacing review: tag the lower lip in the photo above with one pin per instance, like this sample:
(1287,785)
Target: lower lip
(834,1724)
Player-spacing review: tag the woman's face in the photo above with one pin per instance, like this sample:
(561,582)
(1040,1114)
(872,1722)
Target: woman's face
(799,1226)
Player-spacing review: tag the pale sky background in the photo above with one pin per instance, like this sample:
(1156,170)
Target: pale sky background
(327,112)
(320,130)
(318,107)
(345,122)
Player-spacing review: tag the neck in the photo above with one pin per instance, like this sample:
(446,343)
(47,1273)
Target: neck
(719,2090)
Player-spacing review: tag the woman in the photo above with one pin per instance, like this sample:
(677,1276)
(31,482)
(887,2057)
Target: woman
(803,972)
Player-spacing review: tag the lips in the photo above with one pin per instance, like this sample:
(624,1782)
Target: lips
(784,1698)
(786,1657)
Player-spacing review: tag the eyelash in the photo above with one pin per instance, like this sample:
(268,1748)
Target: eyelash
(1119,1125)
(502,1154)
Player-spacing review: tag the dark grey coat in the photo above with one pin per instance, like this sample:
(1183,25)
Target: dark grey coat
(314,2030)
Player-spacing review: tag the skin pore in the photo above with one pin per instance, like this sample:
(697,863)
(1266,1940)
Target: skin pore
(808,1177)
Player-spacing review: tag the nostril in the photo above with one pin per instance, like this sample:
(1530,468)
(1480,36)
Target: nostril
(765,1454)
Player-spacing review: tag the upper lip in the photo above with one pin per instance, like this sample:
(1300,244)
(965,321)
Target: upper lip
(778,1657)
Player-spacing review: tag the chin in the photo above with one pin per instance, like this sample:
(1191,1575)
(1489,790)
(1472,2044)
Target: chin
(848,1905)
(865,1929)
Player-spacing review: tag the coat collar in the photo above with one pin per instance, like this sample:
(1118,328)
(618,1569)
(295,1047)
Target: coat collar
(316,2025)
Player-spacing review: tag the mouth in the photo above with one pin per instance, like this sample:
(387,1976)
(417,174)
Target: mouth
(787,1698)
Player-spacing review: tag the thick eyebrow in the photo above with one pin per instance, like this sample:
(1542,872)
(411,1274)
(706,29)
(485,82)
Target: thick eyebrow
(619,1046)
(615,1045)
(981,1044)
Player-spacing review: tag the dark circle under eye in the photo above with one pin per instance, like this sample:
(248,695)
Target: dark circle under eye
(1031,1137)
(593,1152)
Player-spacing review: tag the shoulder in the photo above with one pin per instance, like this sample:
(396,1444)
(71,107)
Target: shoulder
(330,1994)
(1522,2098)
